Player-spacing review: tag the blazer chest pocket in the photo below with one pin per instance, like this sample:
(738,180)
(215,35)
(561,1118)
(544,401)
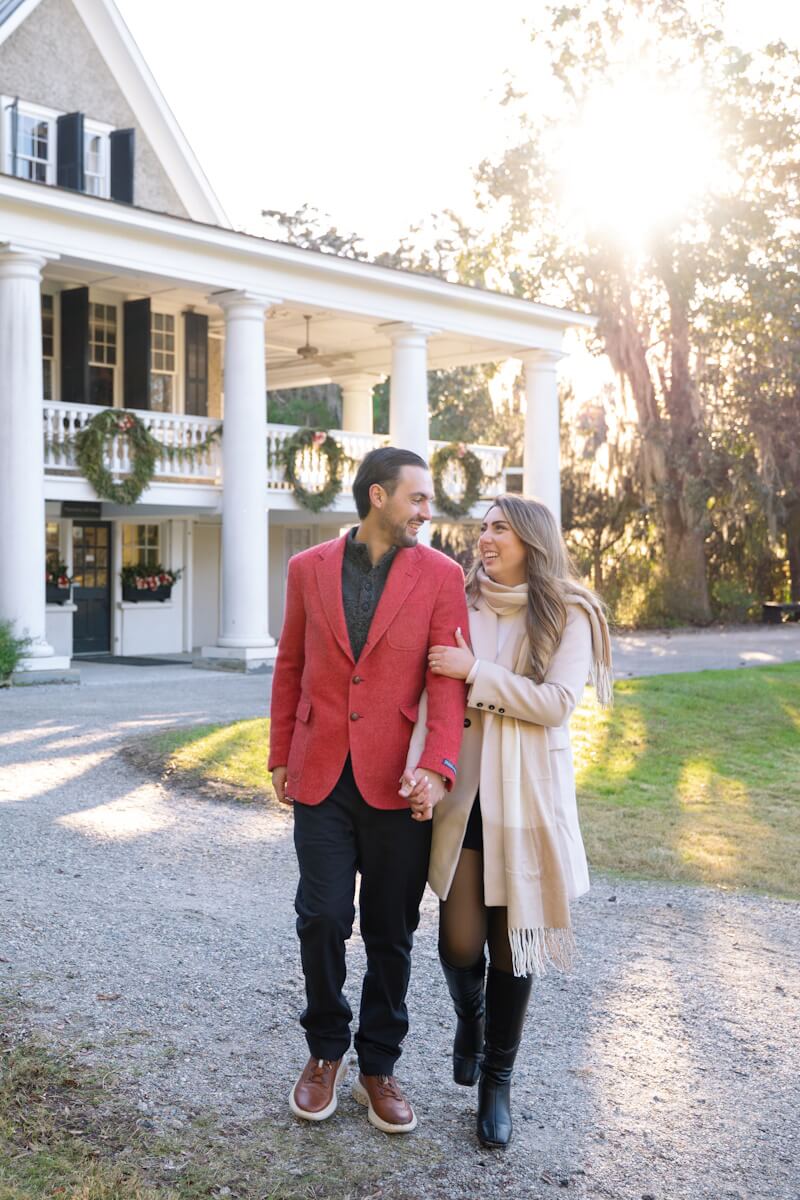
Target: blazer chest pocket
(409,629)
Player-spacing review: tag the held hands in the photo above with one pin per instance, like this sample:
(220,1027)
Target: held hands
(453,661)
(423,789)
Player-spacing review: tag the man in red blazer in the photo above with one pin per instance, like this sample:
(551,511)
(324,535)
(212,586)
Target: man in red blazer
(361,612)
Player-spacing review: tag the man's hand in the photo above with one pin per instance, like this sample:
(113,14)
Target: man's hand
(279,784)
(453,661)
(423,789)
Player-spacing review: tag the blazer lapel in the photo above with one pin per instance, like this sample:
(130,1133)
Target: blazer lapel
(403,575)
(328,569)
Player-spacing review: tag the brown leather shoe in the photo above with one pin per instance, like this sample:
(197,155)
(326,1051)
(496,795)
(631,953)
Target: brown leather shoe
(313,1097)
(387,1107)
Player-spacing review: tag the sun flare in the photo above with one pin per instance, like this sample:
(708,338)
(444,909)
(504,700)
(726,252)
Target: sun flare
(640,154)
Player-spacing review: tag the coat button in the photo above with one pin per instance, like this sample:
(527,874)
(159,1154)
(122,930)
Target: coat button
(467,722)
(354,716)
(356,679)
(491,708)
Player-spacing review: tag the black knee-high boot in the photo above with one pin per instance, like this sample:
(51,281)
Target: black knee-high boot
(465,985)
(506,1004)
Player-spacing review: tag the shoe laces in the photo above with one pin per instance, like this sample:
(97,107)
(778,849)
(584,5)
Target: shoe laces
(390,1087)
(321,1068)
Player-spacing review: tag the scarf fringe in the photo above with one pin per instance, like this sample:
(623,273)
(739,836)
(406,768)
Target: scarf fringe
(603,680)
(534,950)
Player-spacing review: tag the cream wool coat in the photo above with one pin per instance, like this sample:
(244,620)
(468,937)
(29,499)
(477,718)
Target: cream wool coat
(494,691)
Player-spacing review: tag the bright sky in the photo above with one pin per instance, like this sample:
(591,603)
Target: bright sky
(374,112)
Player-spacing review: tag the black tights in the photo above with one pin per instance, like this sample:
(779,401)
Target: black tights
(466,924)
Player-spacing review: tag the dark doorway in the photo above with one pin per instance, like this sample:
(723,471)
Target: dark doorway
(91,567)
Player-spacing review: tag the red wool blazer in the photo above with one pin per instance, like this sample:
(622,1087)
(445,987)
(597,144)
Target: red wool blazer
(325,705)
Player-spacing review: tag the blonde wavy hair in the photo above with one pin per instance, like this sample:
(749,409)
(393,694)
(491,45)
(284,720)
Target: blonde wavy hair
(551,577)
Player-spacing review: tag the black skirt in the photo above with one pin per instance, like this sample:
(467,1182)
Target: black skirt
(473,838)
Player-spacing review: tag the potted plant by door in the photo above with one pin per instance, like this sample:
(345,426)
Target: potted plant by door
(58,582)
(148,583)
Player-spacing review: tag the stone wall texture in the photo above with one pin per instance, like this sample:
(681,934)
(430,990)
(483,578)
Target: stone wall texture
(52,60)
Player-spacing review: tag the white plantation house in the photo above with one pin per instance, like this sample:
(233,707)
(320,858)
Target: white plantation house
(122,286)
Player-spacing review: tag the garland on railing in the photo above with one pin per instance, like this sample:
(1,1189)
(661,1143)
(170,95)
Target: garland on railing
(473,478)
(91,443)
(288,453)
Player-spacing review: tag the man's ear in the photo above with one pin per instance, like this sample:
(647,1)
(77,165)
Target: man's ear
(377,495)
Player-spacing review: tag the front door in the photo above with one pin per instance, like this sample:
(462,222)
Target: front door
(91,567)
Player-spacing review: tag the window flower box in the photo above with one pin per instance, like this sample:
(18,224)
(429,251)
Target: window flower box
(136,595)
(56,594)
(58,583)
(147,584)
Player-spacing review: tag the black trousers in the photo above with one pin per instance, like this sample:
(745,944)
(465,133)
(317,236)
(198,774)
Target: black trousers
(334,840)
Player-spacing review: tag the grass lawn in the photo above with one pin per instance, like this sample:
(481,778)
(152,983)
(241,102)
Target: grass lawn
(689,777)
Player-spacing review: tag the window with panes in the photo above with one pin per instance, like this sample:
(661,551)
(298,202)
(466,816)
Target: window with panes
(162,362)
(102,353)
(141,545)
(95,170)
(48,344)
(34,146)
(52,545)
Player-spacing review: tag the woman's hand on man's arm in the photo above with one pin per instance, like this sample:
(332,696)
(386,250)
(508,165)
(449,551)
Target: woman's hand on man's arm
(453,661)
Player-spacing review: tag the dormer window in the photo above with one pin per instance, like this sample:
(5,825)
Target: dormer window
(29,141)
(95,158)
(33,148)
(68,149)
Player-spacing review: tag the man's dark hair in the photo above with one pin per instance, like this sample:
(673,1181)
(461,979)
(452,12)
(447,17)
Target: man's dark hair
(382,466)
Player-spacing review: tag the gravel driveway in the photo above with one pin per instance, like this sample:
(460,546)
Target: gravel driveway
(665,1066)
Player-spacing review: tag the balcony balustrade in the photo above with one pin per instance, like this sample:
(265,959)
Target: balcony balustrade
(63,421)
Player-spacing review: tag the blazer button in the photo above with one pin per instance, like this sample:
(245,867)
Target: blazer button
(354,716)
(491,708)
(467,722)
(356,679)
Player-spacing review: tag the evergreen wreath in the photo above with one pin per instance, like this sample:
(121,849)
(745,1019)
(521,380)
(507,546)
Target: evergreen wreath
(318,440)
(90,446)
(473,478)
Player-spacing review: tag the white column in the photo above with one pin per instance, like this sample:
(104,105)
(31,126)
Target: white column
(408,390)
(22,514)
(357,402)
(245,642)
(541,462)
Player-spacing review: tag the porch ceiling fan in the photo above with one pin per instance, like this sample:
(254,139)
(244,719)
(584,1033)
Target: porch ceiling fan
(307,354)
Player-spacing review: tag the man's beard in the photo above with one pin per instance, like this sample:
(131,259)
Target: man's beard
(400,534)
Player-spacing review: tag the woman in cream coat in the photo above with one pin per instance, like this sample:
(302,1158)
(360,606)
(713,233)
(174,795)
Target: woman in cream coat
(507,853)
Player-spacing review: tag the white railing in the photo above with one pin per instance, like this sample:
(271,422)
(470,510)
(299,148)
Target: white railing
(63,421)
(312,464)
(491,460)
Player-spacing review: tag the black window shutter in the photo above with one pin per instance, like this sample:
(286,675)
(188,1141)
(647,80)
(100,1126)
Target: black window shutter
(123,148)
(69,161)
(136,340)
(196,341)
(75,346)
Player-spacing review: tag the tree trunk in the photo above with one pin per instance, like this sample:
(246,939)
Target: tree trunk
(685,584)
(793,549)
(670,444)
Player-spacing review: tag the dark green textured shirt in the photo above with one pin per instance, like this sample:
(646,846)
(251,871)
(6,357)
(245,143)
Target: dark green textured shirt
(362,588)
